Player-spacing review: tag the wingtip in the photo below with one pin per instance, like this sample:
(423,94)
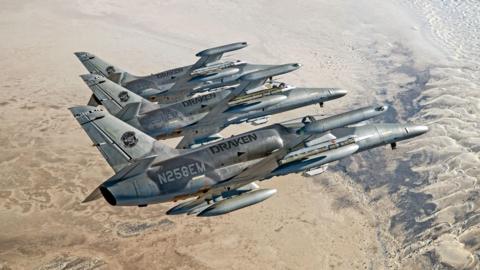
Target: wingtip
(86,76)
(91,77)
(77,110)
(83,56)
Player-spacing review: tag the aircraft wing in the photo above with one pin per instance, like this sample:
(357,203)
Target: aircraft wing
(213,121)
(234,186)
(214,54)
(259,170)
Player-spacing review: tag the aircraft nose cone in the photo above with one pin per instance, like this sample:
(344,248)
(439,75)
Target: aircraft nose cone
(338,93)
(416,130)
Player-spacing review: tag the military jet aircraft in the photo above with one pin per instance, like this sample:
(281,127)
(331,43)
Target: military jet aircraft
(179,83)
(205,114)
(222,174)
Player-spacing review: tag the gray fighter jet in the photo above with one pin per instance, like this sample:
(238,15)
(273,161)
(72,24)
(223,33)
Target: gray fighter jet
(221,174)
(203,115)
(179,83)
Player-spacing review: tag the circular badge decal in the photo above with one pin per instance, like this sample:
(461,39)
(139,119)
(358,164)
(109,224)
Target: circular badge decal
(110,70)
(129,139)
(123,96)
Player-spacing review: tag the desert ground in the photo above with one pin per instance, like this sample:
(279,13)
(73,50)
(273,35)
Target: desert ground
(413,208)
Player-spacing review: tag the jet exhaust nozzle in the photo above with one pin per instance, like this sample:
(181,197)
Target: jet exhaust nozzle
(108,196)
(129,192)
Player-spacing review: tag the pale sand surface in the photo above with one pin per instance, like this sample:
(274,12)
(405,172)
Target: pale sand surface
(414,208)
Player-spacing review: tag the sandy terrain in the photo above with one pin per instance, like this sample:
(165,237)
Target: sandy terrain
(414,208)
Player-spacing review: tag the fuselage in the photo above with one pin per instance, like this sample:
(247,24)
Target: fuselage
(216,164)
(165,122)
(174,120)
(160,87)
(196,171)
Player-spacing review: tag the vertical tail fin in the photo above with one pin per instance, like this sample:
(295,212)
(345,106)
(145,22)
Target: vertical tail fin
(119,101)
(119,143)
(96,65)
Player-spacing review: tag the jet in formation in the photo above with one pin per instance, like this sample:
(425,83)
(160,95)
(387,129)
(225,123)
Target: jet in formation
(218,175)
(206,114)
(179,83)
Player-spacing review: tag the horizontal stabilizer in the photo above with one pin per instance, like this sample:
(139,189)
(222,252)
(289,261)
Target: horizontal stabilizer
(95,195)
(93,101)
(129,112)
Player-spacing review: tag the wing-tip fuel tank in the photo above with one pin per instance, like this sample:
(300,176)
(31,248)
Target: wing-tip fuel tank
(238,202)
(344,119)
(270,72)
(222,49)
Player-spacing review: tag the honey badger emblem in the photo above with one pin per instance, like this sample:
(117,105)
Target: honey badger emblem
(129,139)
(123,96)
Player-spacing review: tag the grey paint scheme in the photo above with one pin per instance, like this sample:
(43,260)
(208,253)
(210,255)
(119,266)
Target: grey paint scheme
(151,172)
(189,117)
(179,83)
